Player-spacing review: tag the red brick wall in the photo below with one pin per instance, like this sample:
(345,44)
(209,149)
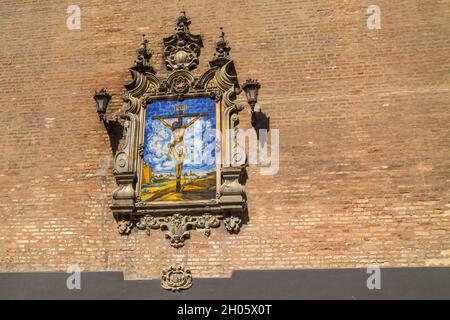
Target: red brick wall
(364,134)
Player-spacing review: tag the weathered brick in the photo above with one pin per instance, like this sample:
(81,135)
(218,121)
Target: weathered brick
(364,134)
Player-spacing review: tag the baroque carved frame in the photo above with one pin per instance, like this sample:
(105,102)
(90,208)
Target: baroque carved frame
(219,82)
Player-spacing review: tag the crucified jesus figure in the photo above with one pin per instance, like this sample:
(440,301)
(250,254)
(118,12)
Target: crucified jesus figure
(177,150)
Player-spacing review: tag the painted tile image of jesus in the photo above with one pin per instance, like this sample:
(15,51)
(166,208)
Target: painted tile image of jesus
(180,150)
(177,149)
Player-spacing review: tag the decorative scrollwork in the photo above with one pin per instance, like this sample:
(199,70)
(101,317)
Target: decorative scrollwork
(180,84)
(207,222)
(232,223)
(176,278)
(141,150)
(212,87)
(123,140)
(146,97)
(147,223)
(177,227)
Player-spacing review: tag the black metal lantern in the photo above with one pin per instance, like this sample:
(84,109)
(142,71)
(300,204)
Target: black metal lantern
(102,98)
(251,88)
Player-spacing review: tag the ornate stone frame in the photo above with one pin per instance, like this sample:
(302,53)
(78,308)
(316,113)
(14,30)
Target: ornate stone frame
(219,82)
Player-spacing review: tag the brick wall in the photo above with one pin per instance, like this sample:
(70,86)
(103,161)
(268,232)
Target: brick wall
(364,134)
